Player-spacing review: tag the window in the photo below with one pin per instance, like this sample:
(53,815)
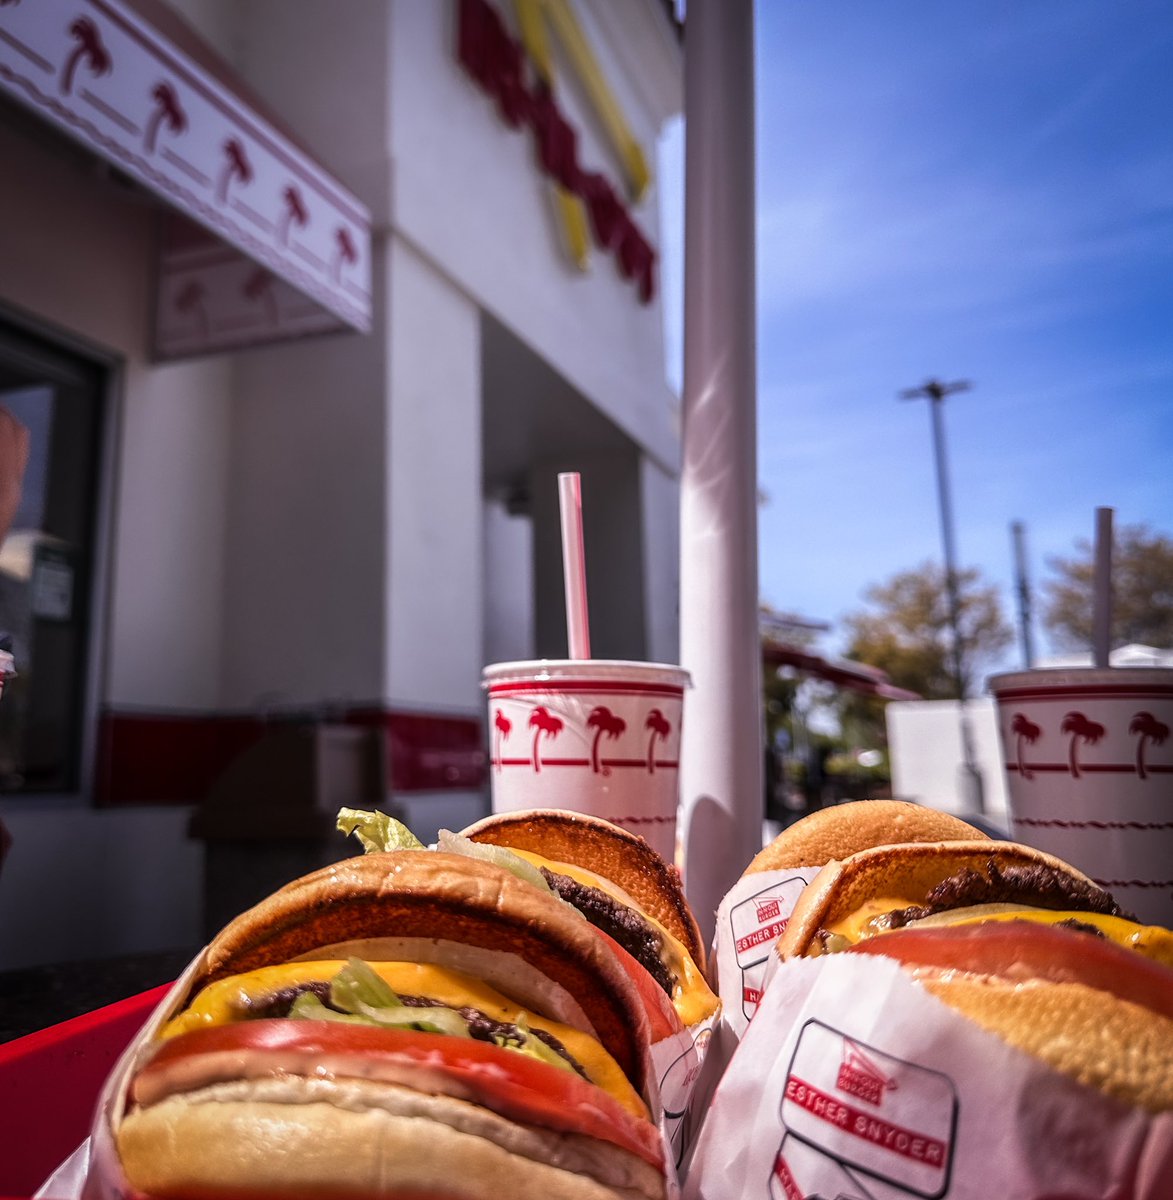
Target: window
(47,561)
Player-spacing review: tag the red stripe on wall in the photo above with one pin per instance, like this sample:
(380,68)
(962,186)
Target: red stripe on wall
(152,758)
(427,752)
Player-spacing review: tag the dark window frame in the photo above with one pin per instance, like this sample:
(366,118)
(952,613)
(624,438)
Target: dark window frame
(55,338)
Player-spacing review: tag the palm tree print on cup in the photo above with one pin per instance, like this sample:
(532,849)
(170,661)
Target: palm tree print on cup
(1083,730)
(502,727)
(1024,730)
(90,49)
(167,112)
(658,727)
(604,722)
(1146,728)
(236,166)
(294,212)
(542,721)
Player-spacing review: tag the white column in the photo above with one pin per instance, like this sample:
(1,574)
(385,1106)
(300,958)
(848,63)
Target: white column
(434,505)
(721,777)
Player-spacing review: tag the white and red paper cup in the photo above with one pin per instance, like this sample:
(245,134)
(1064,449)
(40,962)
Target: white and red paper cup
(595,736)
(1088,754)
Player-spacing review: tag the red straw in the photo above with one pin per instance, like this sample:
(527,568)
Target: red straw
(578,636)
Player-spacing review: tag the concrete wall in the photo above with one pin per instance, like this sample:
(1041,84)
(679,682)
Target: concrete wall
(303,524)
(76,254)
(468,193)
(508,569)
(434,501)
(925,741)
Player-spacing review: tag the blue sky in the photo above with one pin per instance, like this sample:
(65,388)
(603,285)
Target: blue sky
(965,191)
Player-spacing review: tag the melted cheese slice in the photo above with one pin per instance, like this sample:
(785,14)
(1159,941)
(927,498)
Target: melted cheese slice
(1150,940)
(234,998)
(692,997)
(853,927)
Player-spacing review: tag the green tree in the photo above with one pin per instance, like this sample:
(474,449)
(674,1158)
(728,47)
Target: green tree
(906,631)
(1142,592)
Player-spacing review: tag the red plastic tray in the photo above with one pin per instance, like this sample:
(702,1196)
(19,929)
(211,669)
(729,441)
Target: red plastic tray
(49,1084)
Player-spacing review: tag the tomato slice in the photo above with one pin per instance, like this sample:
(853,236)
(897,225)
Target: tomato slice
(663,1020)
(517,1087)
(1026,950)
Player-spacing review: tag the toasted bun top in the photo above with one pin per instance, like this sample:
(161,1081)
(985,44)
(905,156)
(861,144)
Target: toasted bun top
(907,872)
(446,900)
(858,825)
(622,857)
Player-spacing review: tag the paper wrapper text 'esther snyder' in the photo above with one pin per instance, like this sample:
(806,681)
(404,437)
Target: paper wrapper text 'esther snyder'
(853,1082)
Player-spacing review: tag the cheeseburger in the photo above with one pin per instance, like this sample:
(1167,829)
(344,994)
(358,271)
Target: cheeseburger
(409,1024)
(1017,941)
(624,889)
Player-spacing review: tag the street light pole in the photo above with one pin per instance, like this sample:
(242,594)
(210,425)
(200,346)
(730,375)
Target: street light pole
(935,392)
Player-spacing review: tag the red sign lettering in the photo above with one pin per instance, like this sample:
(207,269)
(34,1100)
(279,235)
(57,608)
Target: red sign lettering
(487,51)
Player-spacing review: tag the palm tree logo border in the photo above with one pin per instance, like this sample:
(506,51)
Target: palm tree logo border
(1144,726)
(603,722)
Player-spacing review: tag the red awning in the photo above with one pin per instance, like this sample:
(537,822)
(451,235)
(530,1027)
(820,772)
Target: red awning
(267,244)
(841,673)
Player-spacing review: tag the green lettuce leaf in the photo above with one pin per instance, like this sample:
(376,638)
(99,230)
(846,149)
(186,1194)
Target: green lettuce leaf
(357,984)
(533,1047)
(453,843)
(361,992)
(307,1007)
(376,830)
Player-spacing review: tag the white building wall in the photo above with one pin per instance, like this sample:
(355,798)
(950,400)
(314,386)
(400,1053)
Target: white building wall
(76,254)
(509,585)
(433,448)
(469,194)
(247,488)
(924,739)
(660,512)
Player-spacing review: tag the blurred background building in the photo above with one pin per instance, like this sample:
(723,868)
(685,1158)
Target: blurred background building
(305,306)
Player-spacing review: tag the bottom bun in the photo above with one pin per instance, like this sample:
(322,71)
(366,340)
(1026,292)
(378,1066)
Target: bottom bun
(1117,1047)
(309,1139)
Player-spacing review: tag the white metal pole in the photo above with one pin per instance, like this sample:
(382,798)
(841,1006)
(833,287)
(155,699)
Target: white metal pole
(721,763)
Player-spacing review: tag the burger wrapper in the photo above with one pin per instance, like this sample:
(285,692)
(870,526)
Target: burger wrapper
(677,1064)
(749,921)
(853,1082)
(93,1171)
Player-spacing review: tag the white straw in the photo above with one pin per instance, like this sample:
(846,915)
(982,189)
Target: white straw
(578,635)
(1102,595)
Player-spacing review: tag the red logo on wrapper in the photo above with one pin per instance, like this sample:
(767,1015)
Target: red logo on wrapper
(756,924)
(834,1087)
(800,1172)
(787,1184)
(859,1075)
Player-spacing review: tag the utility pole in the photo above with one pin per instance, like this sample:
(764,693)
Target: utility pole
(1022,590)
(935,392)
